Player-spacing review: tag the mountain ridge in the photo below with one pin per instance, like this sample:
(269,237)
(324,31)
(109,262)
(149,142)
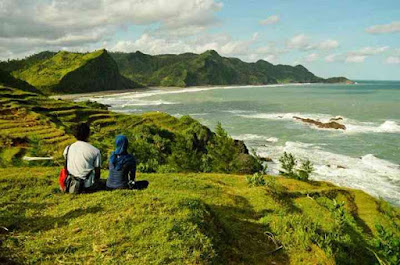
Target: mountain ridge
(71,72)
(210,68)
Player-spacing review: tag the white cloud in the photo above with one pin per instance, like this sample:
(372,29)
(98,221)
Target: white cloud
(303,42)
(300,42)
(331,58)
(311,57)
(270,20)
(222,43)
(355,58)
(56,24)
(385,28)
(272,58)
(372,50)
(393,60)
(328,45)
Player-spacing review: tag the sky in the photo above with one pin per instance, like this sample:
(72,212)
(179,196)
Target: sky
(357,39)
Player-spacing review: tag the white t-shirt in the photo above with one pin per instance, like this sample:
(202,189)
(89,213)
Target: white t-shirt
(82,159)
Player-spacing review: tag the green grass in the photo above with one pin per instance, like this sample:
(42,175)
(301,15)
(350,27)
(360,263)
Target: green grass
(52,70)
(186,219)
(181,218)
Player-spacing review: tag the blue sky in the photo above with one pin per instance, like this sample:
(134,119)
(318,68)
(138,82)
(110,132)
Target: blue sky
(344,21)
(356,39)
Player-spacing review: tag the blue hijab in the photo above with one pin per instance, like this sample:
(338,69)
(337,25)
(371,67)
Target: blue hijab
(120,156)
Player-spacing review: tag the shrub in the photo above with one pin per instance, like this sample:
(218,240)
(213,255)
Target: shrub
(225,155)
(257,179)
(288,162)
(387,245)
(305,170)
(291,169)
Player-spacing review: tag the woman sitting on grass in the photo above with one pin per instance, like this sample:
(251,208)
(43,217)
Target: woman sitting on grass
(122,166)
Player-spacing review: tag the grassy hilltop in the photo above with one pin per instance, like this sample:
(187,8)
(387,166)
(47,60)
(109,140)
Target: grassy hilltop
(67,72)
(193,219)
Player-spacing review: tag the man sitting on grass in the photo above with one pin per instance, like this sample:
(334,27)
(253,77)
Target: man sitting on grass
(83,162)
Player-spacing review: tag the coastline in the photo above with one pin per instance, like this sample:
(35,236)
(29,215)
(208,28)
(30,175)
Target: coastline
(163,88)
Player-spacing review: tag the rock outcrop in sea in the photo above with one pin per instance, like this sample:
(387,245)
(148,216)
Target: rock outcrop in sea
(324,125)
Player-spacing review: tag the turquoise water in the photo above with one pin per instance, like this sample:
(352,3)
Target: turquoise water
(366,155)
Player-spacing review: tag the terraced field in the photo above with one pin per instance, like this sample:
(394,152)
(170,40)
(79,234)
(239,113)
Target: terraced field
(33,125)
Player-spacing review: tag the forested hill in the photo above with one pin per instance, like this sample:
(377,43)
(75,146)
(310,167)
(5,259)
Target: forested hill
(209,68)
(67,72)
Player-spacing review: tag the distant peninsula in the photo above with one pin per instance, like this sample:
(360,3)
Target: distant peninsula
(69,72)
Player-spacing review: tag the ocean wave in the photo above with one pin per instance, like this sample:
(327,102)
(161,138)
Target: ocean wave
(127,102)
(198,114)
(239,111)
(147,103)
(388,126)
(375,176)
(352,126)
(255,137)
(163,91)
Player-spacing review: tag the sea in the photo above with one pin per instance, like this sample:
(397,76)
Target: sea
(365,156)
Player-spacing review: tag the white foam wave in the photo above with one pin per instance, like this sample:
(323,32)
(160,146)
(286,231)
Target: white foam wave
(272,139)
(147,103)
(376,176)
(198,114)
(287,116)
(163,91)
(386,127)
(239,111)
(352,126)
(255,137)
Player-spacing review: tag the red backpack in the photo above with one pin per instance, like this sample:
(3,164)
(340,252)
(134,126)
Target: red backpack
(63,178)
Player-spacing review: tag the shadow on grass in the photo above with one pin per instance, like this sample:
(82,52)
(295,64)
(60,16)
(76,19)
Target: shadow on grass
(15,219)
(141,185)
(244,240)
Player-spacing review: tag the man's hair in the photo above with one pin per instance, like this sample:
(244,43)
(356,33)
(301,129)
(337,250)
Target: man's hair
(82,131)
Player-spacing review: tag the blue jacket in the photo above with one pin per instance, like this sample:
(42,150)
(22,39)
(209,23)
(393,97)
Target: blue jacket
(122,165)
(118,179)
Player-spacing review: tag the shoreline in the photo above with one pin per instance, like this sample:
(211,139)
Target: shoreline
(163,88)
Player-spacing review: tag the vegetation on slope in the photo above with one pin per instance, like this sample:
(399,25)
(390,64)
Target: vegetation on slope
(193,219)
(208,68)
(8,80)
(35,125)
(25,63)
(67,72)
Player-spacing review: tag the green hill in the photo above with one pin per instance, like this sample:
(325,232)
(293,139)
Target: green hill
(35,125)
(192,219)
(67,72)
(208,68)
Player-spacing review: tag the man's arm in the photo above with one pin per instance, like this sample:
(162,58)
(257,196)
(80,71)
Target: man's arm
(97,164)
(97,173)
